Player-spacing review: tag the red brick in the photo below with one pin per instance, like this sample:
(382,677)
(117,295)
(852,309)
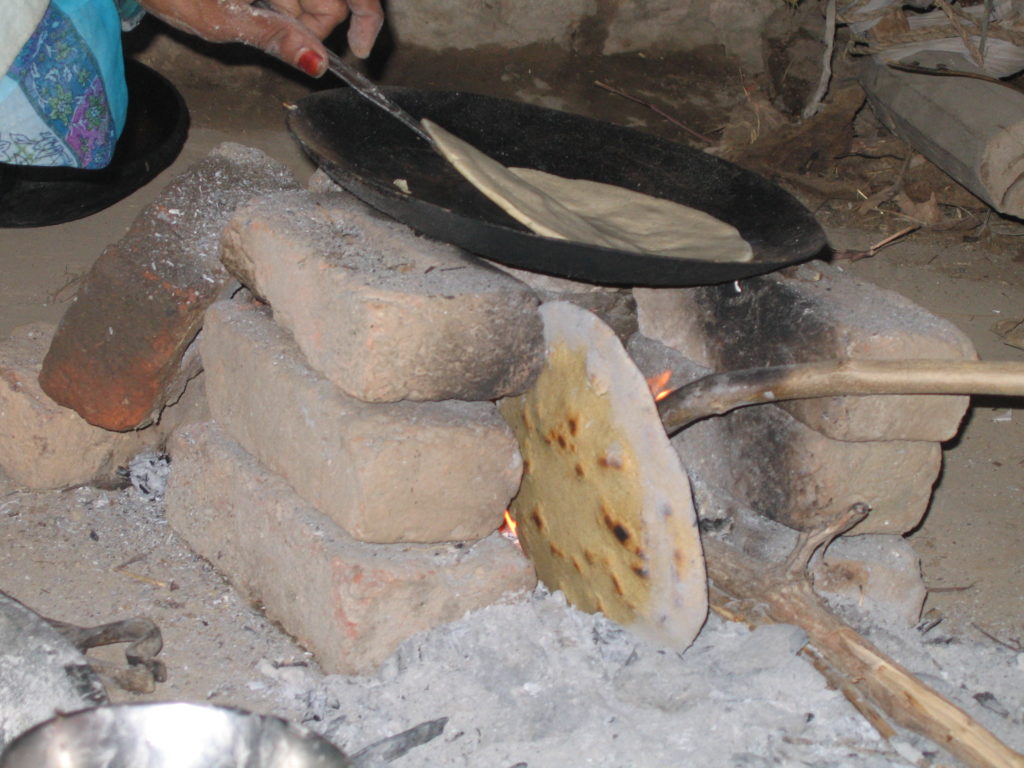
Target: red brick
(349,602)
(44,445)
(116,356)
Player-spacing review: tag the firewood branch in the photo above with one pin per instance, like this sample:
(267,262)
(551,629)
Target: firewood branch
(722,392)
(811,541)
(867,676)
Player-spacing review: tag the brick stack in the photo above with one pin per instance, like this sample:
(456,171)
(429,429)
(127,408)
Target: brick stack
(799,462)
(355,472)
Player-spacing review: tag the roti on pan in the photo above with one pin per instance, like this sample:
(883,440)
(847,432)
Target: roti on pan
(591,212)
(604,510)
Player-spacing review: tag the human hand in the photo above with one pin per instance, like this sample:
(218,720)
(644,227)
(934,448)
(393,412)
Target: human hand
(292,32)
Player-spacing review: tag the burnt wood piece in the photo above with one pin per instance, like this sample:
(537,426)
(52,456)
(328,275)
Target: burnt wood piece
(972,129)
(391,748)
(144,670)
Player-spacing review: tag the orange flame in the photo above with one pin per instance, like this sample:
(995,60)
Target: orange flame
(657,385)
(508,528)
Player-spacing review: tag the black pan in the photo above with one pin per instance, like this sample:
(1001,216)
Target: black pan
(154,133)
(365,150)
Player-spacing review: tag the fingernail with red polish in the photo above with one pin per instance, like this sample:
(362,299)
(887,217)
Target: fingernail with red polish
(311,62)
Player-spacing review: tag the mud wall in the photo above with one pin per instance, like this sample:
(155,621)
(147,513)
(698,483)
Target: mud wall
(587,27)
(590,26)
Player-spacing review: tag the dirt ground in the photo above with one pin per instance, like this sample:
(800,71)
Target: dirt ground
(65,553)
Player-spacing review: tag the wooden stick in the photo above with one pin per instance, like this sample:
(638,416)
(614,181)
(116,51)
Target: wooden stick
(723,392)
(655,108)
(890,687)
(853,694)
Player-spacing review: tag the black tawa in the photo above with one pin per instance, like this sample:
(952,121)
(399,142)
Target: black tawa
(365,150)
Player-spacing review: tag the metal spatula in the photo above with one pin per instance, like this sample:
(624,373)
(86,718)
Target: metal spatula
(361,84)
(371,92)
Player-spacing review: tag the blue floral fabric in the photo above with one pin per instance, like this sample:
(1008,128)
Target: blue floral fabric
(63,100)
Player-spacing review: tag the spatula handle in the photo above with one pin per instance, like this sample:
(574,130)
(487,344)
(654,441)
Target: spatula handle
(359,82)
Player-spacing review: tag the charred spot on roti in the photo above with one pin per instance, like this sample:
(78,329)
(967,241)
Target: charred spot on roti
(681,562)
(526,465)
(617,585)
(589,557)
(537,518)
(576,565)
(611,459)
(640,571)
(574,425)
(618,529)
(555,435)
(556,550)
(579,470)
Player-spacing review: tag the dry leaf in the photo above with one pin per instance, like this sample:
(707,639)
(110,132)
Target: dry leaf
(927,214)
(1012,332)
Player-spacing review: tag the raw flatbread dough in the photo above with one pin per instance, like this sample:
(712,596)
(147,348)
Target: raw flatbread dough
(605,510)
(591,212)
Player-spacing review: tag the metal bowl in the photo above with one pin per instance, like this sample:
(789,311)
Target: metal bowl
(170,735)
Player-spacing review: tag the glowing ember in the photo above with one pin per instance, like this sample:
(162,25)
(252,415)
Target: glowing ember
(657,385)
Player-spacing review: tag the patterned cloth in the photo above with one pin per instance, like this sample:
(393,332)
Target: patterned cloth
(63,100)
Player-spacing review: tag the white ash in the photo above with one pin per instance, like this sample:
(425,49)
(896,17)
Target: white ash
(530,682)
(538,683)
(147,472)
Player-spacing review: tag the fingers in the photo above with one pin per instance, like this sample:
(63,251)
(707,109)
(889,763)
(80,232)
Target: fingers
(291,33)
(322,16)
(367,20)
(286,38)
(319,16)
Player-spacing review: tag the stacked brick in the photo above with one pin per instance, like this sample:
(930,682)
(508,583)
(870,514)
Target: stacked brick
(800,462)
(346,467)
(355,471)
